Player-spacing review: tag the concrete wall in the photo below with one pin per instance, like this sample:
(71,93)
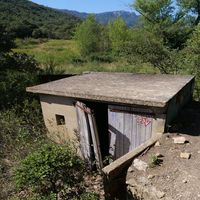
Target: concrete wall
(178,102)
(55,105)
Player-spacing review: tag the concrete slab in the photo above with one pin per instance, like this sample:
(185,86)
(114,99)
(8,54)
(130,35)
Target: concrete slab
(126,88)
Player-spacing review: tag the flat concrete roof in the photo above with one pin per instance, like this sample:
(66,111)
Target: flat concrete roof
(124,88)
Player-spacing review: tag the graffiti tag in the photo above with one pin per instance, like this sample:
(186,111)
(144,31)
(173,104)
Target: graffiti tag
(144,120)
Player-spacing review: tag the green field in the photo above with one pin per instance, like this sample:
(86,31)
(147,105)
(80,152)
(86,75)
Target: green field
(64,55)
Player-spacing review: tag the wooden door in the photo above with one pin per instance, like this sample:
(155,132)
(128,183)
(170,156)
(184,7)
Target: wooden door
(127,130)
(89,138)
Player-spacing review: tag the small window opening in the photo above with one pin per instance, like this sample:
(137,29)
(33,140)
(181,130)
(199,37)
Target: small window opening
(60,120)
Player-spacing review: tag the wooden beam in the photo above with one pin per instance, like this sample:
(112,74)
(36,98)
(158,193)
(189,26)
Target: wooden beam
(117,167)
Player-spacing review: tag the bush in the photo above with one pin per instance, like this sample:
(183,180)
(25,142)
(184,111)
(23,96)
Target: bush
(19,62)
(102,57)
(17,71)
(50,169)
(89,196)
(6,40)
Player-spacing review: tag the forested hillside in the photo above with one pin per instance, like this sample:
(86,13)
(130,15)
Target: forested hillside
(26,19)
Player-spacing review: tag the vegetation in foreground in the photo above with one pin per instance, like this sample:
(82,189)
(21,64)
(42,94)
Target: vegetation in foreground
(167,41)
(31,166)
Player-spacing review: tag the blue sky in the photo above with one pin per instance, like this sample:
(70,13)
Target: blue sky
(94,6)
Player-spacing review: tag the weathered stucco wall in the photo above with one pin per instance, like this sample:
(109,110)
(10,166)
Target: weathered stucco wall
(55,105)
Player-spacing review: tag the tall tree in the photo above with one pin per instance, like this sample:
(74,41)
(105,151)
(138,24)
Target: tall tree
(192,8)
(118,33)
(145,47)
(88,35)
(161,17)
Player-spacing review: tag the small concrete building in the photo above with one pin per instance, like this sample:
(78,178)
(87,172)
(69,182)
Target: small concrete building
(111,114)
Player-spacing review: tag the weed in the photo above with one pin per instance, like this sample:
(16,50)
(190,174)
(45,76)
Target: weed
(154,161)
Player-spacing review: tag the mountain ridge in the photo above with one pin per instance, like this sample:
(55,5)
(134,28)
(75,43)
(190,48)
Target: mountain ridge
(131,18)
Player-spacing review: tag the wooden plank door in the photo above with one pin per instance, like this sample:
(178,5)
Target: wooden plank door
(89,138)
(84,133)
(95,138)
(127,130)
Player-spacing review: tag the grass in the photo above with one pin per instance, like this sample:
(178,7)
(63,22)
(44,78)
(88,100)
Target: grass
(64,55)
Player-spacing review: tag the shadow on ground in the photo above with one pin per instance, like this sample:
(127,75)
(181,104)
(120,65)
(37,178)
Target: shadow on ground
(188,120)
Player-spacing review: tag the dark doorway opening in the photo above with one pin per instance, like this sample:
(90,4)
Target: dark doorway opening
(100,111)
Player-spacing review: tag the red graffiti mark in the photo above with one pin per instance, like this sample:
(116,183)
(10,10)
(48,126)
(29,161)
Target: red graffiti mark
(144,120)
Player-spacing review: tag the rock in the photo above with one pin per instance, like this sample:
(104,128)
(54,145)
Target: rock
(143,181)
(98,178)
(160,194)
(130,169)
(198,152)
(157,144)
(185,155)
(151,176)
(140,165)
(179,140)
(95,187)
(159,155)
(184,181)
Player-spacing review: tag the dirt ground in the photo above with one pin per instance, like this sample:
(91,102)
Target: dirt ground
(174,178)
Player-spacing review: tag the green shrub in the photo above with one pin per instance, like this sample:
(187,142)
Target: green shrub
(17,71)
(50,169)
(19,62)
(89,196)
(154,161)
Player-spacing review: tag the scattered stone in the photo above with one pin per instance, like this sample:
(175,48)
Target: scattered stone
(157,144)
(143,180)
(184,181)
(95,187)
(98,178)
(185,155)
(130,169)
(179,140)
(140,165)
(151,176)
(167,136)
(159,155)
(160,194)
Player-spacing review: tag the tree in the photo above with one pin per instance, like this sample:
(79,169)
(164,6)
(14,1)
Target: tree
(118,34)
(6,40)
(192,8)
(192,53)
(146,47)
(161,18)
(88,35)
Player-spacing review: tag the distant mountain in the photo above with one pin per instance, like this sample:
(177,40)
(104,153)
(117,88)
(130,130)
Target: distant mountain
(130,18)
(27,19)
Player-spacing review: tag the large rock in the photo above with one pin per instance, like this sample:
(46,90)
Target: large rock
(140,165)
(179,140)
